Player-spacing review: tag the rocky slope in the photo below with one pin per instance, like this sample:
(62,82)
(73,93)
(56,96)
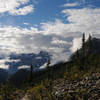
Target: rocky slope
(87,88)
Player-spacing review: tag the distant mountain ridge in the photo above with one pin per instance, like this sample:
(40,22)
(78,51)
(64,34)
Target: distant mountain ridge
(36,60)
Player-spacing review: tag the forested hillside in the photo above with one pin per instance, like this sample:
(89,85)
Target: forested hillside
(77,79)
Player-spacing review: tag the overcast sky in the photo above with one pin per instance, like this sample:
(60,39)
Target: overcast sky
(55,26)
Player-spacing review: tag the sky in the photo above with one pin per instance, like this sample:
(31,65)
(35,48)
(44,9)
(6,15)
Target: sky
(55,26)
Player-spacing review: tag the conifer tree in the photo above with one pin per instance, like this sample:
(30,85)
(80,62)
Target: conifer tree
(90,44)
(48,66)
(89,50)
(83,52)
(83,44)
(31,73)
(77,57)
(77,53)
(48,63)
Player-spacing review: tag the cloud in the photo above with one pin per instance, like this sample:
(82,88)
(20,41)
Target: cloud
(57,27)
(3,65)
(76,44)
(43,66)
(58,38)
(82,20)
(13,7)
(24,67)
(87,22)
(22,11)
(21,40)
(70,5)
(57,41)
(26,23)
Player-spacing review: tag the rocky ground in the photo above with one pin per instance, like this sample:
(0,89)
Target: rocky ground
(87,88)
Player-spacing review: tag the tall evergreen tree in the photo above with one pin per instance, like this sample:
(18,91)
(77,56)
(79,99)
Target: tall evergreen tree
(83,43)
(31,73)
(89,44)
(48,63)
(83,52)
(89,50)
(77,57)
(48,66)
(77,53)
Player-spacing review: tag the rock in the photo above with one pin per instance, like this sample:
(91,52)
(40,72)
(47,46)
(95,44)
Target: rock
(25,98)
(89,86)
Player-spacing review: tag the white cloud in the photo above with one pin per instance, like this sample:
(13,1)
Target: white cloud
(22,11)
(70,5)
(3,66)
(86,20)
(43,66)
(14,39)
(83,20)
(22,40)
(2,62)
(80,20)
(26,23)
(13,7)
(24,67)
(54,27)
(76,44)
(57,41)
